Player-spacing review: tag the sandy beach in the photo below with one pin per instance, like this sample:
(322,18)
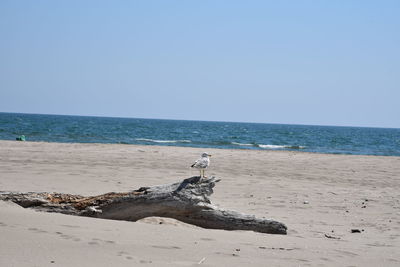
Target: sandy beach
(320,197)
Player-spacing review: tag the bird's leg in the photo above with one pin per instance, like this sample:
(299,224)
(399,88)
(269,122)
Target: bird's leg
(204,173)
(200,173)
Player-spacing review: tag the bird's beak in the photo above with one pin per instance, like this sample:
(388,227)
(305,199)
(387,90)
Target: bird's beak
(209,155)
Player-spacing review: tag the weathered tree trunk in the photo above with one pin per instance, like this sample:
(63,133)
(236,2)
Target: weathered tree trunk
(186,201)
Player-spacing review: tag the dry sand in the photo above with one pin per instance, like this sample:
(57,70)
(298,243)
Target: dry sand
(315,195)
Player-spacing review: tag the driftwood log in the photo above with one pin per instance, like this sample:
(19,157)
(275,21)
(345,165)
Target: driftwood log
(186,201)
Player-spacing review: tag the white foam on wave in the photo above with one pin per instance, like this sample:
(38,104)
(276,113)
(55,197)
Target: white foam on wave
(240,144)
(272,146)
(163,141)
(281,147)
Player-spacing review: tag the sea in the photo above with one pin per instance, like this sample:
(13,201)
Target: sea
(205,134)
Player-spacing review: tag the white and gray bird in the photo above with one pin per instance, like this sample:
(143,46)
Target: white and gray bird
(202,163)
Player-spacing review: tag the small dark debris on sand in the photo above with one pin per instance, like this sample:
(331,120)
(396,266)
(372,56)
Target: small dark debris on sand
(262,247)
(332,237)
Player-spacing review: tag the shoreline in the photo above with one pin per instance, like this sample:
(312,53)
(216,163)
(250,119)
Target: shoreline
(204,148)
(225,135)
(320,197)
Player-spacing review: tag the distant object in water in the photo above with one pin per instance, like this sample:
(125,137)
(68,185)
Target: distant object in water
(21,138)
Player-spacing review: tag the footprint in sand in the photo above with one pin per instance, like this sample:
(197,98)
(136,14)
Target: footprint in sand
(347,253)
(125,255)
(36,230)
(121,253)
(278,206)
(66,236)
(303,260)
(70,226)
(207,239)
(166,247)
(98,241)
(379,244)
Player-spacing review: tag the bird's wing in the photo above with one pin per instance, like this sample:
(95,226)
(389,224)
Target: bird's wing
(200,163)
(194,164)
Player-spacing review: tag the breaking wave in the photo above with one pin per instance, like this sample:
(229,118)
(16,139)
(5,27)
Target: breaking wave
(280,147)
(241,144)
(162,141)
(268,146)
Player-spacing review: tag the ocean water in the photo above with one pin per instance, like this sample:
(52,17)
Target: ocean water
(233,135)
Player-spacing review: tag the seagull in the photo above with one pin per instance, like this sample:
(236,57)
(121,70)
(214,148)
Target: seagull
(202,163)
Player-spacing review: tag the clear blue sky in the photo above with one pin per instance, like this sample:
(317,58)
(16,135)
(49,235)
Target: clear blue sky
(298,62)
